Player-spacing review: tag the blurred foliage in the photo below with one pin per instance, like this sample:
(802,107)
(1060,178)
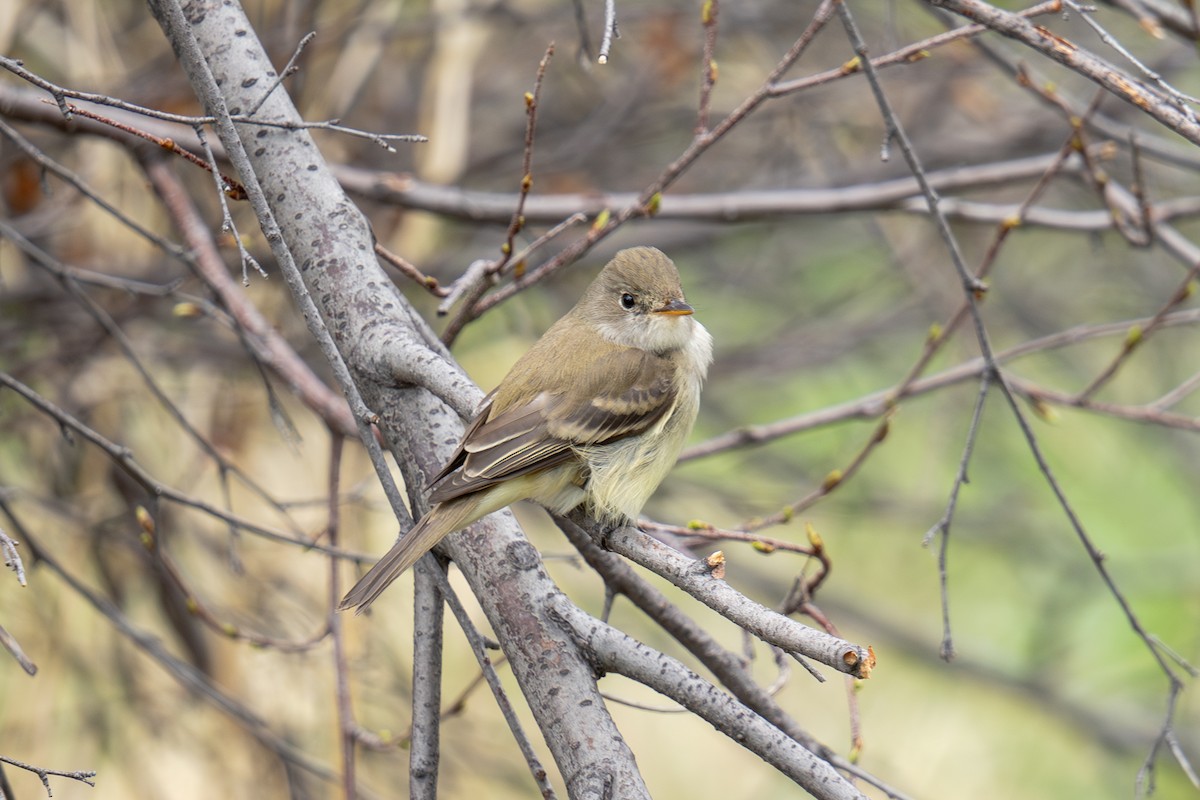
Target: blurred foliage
(1051,694)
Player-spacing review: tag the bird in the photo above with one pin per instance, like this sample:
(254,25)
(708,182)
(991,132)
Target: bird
(594,414)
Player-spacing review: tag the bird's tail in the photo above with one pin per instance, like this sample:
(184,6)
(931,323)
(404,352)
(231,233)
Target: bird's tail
(441,520)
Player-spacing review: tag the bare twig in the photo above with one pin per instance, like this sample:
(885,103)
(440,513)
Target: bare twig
(708,63)
(877,404)
(290,69)
(123,459)
(908,54)
(425,735)
(341,671)
(231,186)
(650,198)
(942,527)
(182,672)
(695,577)
(610,30)
(12,559)
(481,281)
(260,337)
(227,223)
(61,94)
(10,643)
(1080,61)
(727,667)
(1137,336)
(410,271)
(201,610)
(1181,99)
(81,186)
(45,774)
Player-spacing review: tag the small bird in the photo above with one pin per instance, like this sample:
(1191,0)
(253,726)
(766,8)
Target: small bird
(594,414)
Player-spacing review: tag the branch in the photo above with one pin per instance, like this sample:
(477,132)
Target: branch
(695,577)
(261,338)
(876,404)
(1081,61)
(44,774)
(617,652)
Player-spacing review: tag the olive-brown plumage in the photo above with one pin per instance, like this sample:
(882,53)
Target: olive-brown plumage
(594,413)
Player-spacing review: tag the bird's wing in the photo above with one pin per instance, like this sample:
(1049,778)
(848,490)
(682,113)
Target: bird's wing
(623,393)
(628,392)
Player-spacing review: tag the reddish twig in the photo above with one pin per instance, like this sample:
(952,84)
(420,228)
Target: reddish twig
(233,188)
(480,283)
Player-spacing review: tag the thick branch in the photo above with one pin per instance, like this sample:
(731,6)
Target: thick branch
(695,578)
(617,652)
(327,237)
(1070,55)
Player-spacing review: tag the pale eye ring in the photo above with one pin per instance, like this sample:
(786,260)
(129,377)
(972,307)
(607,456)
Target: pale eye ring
(628,301)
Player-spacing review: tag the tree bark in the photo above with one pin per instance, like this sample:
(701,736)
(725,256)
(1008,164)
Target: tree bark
(392,354)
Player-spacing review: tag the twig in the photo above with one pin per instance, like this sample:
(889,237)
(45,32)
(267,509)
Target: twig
(81,186)
(695,533)
(610,30)
(123,459)
(201,611)
(909,54)
(833,479)
(1140,190)
(333,620)
(109,325)
(799,600)
(410,271)
(231,186)
(61,93)
(942,527)
(227,223)
(428,636)
(876,404)
(650,198)
(727,667)
(183,673)
(286,73)
(1144,783)
(1137,336)
(10,643)
(1175,395)
(708,65)
(532,100)
(1080,61)
(261,338)
(44,774)
(12,559)
(481,281)
(479,649)
(695,577)
(1181,99)
(173,20)
(577,218)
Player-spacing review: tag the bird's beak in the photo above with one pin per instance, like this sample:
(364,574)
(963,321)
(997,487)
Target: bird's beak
(675,308)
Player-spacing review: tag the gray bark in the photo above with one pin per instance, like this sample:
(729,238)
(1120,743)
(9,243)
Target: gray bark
(311,223)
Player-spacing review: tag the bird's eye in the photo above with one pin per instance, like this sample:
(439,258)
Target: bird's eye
(628,301)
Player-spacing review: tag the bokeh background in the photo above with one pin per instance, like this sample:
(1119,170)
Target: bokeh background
(1051,694)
